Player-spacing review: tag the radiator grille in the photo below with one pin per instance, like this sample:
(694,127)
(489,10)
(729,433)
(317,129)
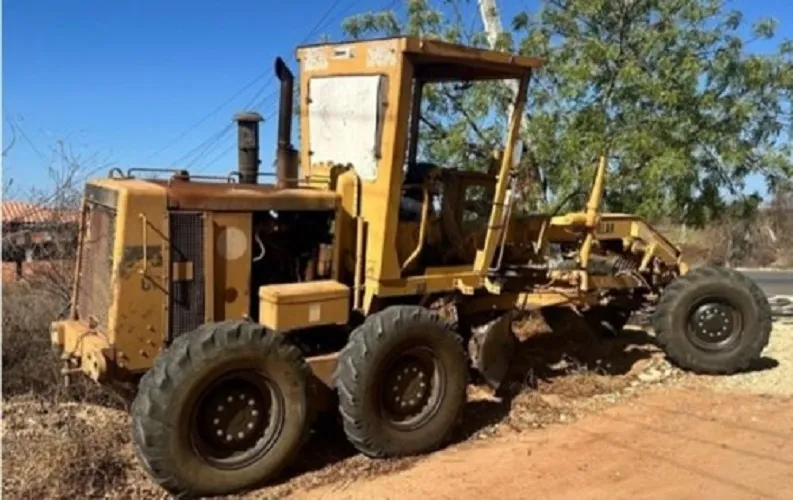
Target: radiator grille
(96,264)
(187,297)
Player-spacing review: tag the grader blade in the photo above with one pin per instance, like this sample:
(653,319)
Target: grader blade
(491,348)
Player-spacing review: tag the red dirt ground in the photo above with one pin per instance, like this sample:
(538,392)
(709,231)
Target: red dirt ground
(670,443)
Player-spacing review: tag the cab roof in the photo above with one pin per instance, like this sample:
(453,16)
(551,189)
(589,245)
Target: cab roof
(438,60)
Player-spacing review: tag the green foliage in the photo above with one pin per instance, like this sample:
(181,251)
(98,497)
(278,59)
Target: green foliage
(668,88)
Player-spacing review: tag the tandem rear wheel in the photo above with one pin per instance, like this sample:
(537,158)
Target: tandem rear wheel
(402,381)
(224,409)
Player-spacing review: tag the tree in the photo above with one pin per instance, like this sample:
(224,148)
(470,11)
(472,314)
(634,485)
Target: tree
(667,88)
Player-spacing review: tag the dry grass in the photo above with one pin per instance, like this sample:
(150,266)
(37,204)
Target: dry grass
(57,442)
(63,450)
(763,240)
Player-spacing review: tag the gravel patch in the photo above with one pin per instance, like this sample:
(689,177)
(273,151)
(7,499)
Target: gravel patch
(773,374)
(782,308)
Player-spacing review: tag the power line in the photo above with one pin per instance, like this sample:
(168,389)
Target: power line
(218,108)
(205,147)
(226,150)
(24,135)
(216,139)
(209,144)
(212,113)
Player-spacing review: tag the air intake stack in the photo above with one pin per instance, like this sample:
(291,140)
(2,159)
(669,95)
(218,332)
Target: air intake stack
(248,146)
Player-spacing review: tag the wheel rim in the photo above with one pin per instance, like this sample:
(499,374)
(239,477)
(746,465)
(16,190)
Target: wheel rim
(714,325)
(412,388)
(237,420)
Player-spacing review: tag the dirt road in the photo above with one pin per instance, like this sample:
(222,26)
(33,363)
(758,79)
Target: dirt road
(670,443)
(611,419)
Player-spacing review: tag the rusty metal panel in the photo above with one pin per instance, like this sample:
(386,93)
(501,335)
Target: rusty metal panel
(231,266)
(96,264)
(186,297)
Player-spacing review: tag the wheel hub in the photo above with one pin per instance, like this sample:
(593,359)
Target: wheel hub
(713,323)
(233,420)
(235,417)
(409,390)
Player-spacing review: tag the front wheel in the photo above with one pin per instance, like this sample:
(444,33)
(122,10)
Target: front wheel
(713,320)
(223,409)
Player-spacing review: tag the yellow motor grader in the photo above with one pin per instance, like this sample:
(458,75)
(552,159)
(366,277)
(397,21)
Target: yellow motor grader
(240,308)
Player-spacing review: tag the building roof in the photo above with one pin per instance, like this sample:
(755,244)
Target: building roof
(30,213)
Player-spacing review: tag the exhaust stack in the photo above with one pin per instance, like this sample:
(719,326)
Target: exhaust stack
(248,146)
(287,155)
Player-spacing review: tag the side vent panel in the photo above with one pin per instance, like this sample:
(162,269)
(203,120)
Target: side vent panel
(186,296)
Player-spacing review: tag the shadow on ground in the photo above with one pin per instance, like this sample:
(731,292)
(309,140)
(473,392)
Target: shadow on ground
(569,364)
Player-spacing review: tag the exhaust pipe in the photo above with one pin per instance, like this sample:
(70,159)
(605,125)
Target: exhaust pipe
(286,156)
(248,146)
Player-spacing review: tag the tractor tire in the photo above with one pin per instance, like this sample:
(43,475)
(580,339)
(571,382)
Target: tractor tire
(402,380)
(713,320)
(224,409)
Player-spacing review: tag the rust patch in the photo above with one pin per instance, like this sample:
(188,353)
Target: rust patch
(133,257)
(207,196)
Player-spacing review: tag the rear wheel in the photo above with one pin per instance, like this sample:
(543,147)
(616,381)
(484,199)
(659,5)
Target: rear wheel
(713,320)
(402,382)
(223,409)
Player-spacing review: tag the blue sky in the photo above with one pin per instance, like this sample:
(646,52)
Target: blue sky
(119,81)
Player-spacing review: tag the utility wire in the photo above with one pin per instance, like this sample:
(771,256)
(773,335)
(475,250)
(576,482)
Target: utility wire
(24,135)
(223,135)
(209,145)
(250,84)
(214,138)
(212,113)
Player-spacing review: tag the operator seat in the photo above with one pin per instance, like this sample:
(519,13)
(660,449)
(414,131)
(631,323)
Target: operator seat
(413,198)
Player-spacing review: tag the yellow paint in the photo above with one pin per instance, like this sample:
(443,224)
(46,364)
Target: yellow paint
(292,306)
(136,327)
(397,59)
(232,265)
(374,253)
